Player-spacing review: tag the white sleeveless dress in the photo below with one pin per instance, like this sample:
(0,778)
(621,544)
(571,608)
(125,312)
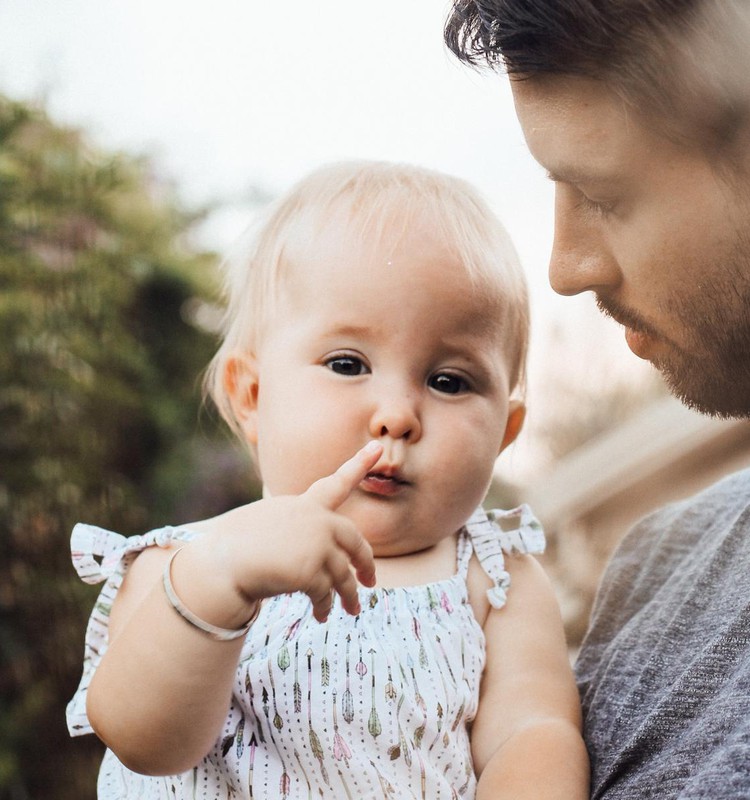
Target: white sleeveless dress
(372,706)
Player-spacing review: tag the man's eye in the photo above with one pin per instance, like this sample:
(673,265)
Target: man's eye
(448,384)
(347,365)
(599,208)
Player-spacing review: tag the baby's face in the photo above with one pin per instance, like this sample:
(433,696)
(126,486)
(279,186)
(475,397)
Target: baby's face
(388,342)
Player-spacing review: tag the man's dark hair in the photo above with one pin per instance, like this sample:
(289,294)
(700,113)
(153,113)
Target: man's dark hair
(583,37)
(685,62)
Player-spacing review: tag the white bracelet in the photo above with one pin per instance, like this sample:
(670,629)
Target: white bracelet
(214,631)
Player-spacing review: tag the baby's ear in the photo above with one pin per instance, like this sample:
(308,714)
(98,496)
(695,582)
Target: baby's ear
(241,387)
(516,416)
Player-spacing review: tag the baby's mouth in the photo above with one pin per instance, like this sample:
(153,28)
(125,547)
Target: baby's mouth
(383,483)
(382,476)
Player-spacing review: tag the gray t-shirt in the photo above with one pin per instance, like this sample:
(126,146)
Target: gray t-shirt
(664,671)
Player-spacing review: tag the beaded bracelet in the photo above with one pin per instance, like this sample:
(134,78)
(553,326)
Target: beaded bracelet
(214,631)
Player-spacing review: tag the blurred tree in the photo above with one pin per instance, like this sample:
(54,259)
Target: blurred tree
(99,400)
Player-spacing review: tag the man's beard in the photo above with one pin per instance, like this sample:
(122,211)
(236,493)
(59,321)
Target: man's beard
(717,384)
(711,373)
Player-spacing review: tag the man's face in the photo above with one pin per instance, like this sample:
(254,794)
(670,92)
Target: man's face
(652,228)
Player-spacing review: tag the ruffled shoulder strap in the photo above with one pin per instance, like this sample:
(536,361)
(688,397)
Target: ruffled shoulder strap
(98,554)
(498,532)
(101,555)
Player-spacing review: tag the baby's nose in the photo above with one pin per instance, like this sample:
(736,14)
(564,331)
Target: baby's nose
(397,419)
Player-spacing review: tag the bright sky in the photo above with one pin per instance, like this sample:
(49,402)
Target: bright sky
(234,94)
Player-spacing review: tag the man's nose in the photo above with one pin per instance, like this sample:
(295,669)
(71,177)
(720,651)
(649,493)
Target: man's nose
(581,258)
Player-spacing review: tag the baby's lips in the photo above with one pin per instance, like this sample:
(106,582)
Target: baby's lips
(387,471)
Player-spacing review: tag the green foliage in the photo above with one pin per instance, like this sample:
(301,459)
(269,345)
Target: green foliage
(99,403)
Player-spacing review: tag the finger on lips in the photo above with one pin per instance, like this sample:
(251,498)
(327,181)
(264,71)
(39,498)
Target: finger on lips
(334,489)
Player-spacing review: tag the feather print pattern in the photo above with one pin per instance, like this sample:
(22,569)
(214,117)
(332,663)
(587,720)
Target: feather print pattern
(376,706)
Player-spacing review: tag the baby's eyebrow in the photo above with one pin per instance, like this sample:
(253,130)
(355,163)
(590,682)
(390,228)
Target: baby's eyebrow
(350,330)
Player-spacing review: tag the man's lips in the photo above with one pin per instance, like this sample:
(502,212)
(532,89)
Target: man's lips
(638,335)
(640,342)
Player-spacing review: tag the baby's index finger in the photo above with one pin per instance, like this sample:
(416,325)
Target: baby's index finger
(334,489)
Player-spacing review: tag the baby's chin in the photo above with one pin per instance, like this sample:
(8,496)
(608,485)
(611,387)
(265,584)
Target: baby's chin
(393,541)
(389,549)
(386,539)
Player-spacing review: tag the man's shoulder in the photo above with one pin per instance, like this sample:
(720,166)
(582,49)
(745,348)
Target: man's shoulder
(664,672)
(732,489)
(663,560)
(715,507)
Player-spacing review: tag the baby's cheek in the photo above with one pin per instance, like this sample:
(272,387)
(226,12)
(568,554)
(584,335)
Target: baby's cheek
(464,493)
(476,474)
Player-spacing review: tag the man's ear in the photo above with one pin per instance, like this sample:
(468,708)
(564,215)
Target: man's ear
(516,416)
(241,387)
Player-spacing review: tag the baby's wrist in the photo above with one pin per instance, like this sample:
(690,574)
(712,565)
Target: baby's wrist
(201,590)
(216,632)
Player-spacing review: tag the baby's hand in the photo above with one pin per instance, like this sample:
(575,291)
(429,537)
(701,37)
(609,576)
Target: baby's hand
(301,543)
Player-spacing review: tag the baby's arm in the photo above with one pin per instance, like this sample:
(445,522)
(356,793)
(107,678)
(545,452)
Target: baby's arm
(526,738)
(162,690)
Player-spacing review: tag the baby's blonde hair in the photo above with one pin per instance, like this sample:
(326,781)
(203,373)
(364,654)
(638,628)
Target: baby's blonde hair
(377,195)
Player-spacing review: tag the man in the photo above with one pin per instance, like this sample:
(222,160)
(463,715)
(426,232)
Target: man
(640,112)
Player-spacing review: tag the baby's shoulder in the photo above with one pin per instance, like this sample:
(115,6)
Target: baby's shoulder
(528,580)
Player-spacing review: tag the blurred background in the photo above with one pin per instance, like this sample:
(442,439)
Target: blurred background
(137,142)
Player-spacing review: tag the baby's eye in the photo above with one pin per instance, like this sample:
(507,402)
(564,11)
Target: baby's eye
(448,383)
(347,365)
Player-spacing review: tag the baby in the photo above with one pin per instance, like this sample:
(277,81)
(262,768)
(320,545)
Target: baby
(347,636)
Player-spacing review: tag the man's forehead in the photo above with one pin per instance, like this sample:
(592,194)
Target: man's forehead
(577,128)
(549,103)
